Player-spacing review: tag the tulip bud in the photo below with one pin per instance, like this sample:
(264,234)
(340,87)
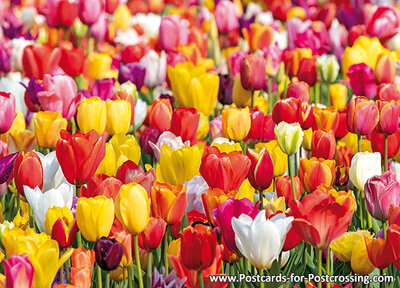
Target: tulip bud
(338,95)
(381,192)
(225,89)
(7,104)
(61,225)
(161,114)
(284,188)
(261,170)
(289,137)
(253,72)
(328,68)
(185,123)
(308,71)
(236,123)
(47,128)
(364,165)
(150,238)
(28,171)
(92,114)
(118,116)
(362,116)
(299,90)
(389,113)
(176,27)
(226,17)
(323,144)
(385,70)
(133,72)
(314,172)
(149,135)
(388,92)
(108,253)
(19,271)
(362,80)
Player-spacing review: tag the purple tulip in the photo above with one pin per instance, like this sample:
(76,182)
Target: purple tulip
(133,72)
(6,167)
(245,23)
(4,60)
(225,89)
(104,88)
(223,218)
(170,98)
(164,281)
(149,135)
(381,192)
(108,253)
(31,95)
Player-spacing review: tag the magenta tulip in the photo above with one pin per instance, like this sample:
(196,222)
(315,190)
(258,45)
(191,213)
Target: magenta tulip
(19,271)
(223,218)
(89,11)
(362,80)
(380,193)
(7,111)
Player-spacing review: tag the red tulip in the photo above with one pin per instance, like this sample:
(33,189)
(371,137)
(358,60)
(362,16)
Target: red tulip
(379,252)
(378,142)
(185,122)
(323,144)
(28,171)
(40,59)
(80,155)
(133,53)
(101,184)
(257,126)
(292,239)
(222,170)
(161,114)
(269,126)
(344,156)
(362,116)
(261,170)
(72,60)
(253,72)
(283,186)
(327,13)
(193,216)
(130,172)
(299,90)
(362,80)
(355,32)
(67,13)
(151,237)
(319,219)
(64,232)
(198,247)
(388,92)
(341,129)
(111,6)
(389,113)
(308,71)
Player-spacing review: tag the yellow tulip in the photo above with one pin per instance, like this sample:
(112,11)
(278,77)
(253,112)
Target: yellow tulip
(289,137)
(99,63)
(42,251)
(240,96)
(194,87)
(17,127)
(180,165)
(351,247)
(122,17)
(118,116)
(120,149)
(338,95)
(307,139)
(47,127)
(351,140)
(95,217)
(261,104)
(132,207)
(204,127)
(236,123)
(92,114)
(279,158)
(21,221)
(245,191)
(64,213)
(297,12)
(228,147)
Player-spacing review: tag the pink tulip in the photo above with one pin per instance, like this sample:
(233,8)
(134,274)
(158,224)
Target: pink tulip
(7,111)
(384,23)
(99,29)
(216,127)
(174,31)
(90,11)
(362,80)
(225,16)
(380,193)
(19,271)
(52,16)
(59,94)
(235,60)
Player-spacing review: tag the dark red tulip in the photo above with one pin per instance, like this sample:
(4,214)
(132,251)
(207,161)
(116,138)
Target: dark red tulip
(108,253)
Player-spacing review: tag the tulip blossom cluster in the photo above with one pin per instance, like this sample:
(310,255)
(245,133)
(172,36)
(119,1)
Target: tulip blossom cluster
(158,143)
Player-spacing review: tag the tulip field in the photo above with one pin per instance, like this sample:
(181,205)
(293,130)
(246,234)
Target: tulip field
(199,144)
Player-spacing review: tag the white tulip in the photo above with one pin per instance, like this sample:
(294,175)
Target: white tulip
(140,112)
(41,202)
(194,189)
(261,240)
(169,139)
(157,65)
(396,168)
(364,165)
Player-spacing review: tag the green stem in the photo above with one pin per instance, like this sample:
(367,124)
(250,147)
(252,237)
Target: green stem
(328,264)
(200,278)
(385,159)
(291,176)
(243,270)
(319,252)
(78,191)
(165,249)
(73,125)
(296,164)
(19,203)
(31,219)
(252,100)
(61,275)
(285,89)
(130,276)
(261,199)
(360,208)
(99,281)
(107,279)
(139,276)
(79,239)
(359,143)
(316,94)
(261,274)
(66,266)
(384,225)
(149,269)
(231,272)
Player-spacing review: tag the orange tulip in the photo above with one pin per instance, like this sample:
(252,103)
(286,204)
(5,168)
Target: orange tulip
(161,114)
(212,199)
(314,172)
(345,198)
(258,36)
(326,119)
(379,252)
(385,69)
(323,144)
(168,202)
(82,261)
